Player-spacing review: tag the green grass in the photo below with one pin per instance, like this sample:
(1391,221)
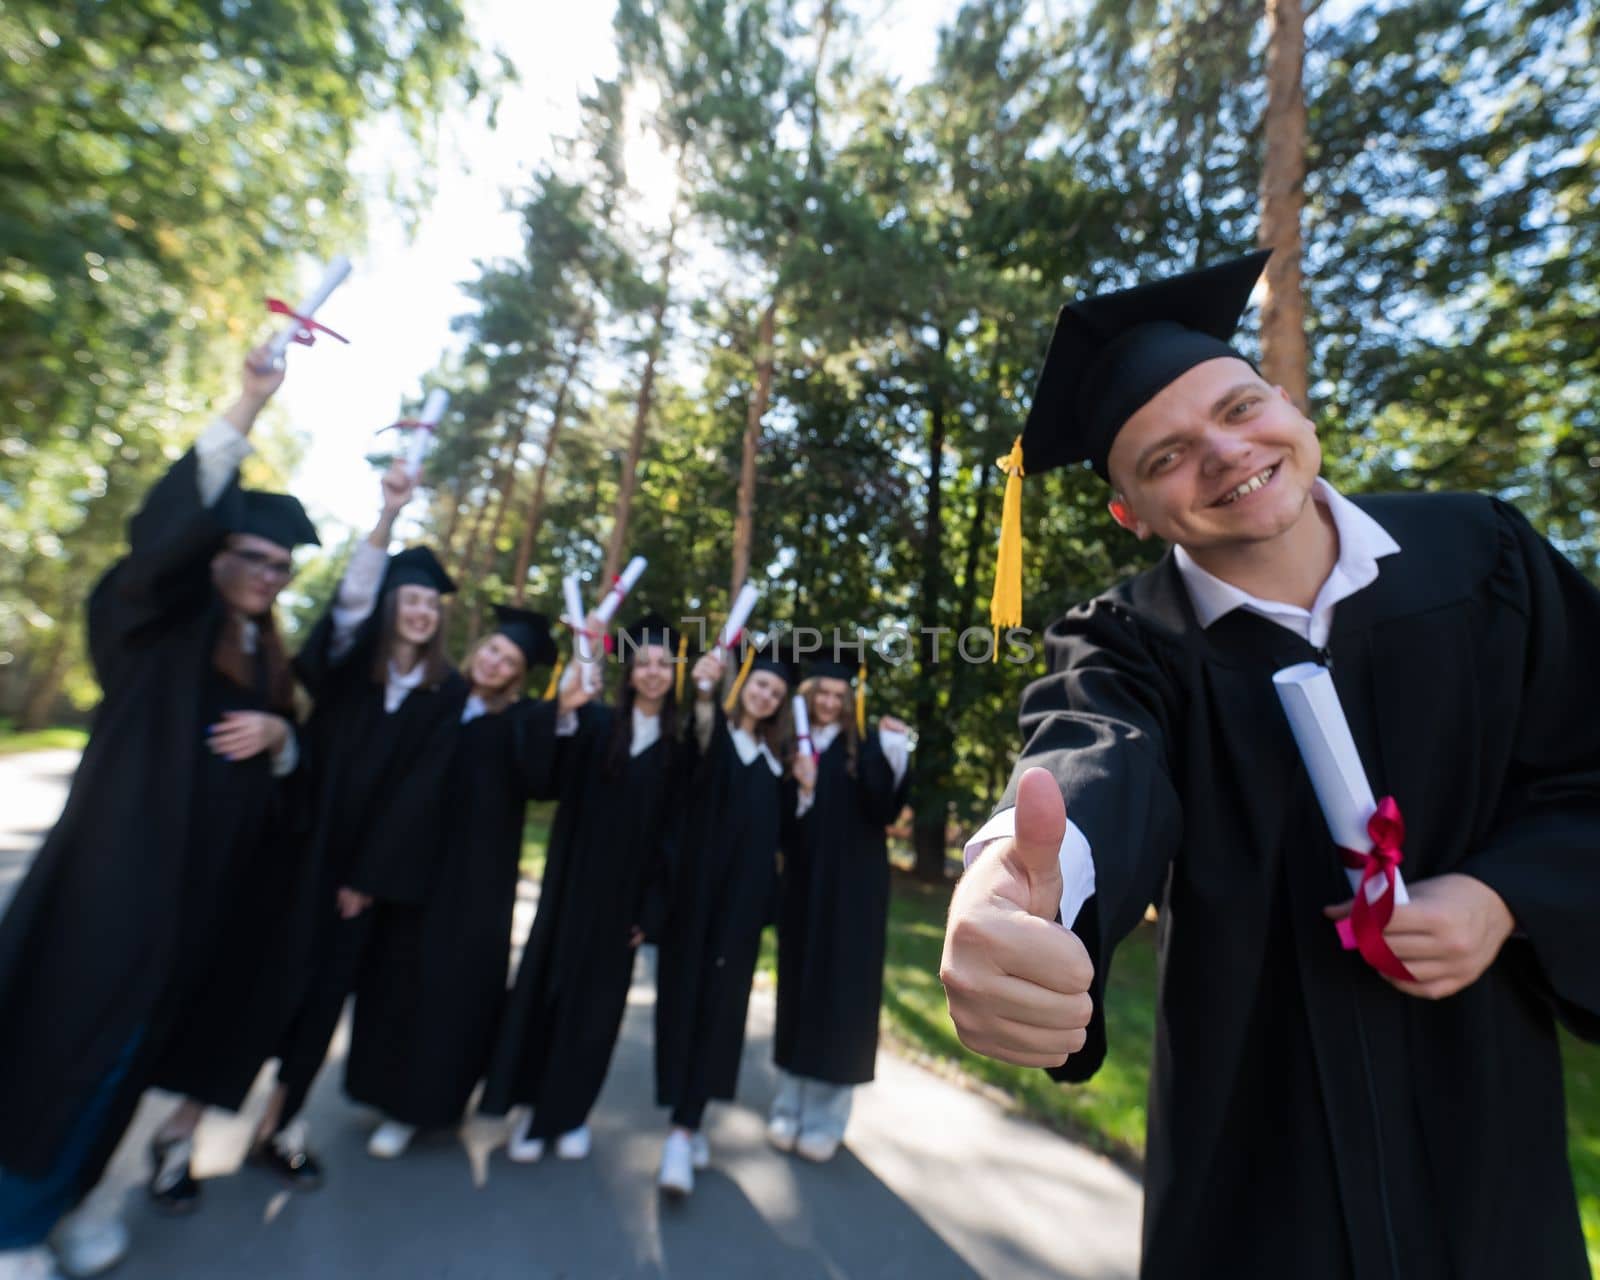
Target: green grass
(55,739)
(535,837)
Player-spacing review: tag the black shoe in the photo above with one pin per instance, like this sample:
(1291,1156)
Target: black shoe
(172,1185)
(286,1155)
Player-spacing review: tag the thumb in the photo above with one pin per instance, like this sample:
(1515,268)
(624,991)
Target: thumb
(1041,823)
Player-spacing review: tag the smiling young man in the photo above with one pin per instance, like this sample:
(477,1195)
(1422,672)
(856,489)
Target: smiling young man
(1307,1116)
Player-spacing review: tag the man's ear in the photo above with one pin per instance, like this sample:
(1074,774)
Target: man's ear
(1122,513)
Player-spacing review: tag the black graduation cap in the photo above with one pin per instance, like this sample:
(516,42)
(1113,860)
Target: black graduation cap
(530,632)
(277,517)
(1110,355)
(783,668)
(832,669)
(417,567)
(652,629)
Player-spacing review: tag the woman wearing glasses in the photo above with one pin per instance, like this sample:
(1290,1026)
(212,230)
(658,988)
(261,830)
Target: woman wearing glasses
(161,869)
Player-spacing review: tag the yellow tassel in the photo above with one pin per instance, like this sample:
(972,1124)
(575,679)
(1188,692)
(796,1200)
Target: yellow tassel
(861,701)
(744,670)
(683,666)
(554,686)
(1005,606)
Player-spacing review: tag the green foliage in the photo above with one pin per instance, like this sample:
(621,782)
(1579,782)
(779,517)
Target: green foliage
(165,164)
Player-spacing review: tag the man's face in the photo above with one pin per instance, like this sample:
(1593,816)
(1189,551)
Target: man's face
(1217,459)
(249,572)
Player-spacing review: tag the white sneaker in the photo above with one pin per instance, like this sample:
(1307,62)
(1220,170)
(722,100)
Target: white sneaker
(574,1144)
(87,1243)
(37,1263)
(700,1150)
(818,1147)
(782,1131)
(519,1146)
(677,1165)
(390,1139)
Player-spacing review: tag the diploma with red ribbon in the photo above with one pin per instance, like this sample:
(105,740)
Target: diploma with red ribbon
(802,726)
(1369,834)
(303,328)
(624,583)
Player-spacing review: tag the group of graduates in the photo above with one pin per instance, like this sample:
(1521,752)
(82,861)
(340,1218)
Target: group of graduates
(1391,1111)
(227,873)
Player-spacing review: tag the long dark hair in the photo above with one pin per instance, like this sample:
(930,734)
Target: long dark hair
(620,747)
(239,665)
(776,731)
(435,665)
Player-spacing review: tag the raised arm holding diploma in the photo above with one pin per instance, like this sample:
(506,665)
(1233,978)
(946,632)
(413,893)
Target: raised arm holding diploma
(301,328)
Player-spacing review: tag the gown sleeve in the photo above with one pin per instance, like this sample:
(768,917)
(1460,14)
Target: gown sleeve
(1542,855)
(166,573)
(1100,722)
(879,797)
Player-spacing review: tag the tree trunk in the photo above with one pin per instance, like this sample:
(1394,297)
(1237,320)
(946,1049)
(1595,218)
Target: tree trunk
(641,418)
(1283,172)
(44,684)
(934,746)
(530,526)
(744,520)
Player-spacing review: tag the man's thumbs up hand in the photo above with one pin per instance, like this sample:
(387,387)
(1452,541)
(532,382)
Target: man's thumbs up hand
(1017,982)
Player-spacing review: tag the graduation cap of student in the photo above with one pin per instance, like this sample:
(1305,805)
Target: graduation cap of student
(1109,356)
(530,632)
(652,628)
(783,668)
(277,517)
(417,567)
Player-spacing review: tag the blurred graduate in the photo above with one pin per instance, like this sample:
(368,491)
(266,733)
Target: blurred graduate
(833,912)
(602,894)
(168,865)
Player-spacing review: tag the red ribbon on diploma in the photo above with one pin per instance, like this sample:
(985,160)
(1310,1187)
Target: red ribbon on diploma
(1368,918)
(309,328)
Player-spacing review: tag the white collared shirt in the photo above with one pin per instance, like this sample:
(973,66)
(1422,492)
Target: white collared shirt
(1362,543)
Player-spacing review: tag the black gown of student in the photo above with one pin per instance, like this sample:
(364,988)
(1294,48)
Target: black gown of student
(166,860)
(433,987)
(378,819)
(833,917)
(607,845)
(1306,1118)
(724,883)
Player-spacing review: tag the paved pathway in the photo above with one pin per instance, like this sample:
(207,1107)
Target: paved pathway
(936,1181)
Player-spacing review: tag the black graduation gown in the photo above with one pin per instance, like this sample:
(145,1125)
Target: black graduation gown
(607,847)
(133,897)
(1306,1118)
(430,996)
(724,880)
(833,916)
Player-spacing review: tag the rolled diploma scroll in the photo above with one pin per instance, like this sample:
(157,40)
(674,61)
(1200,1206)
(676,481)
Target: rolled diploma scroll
(332,278)
(1322,733)
(802,725)
(607,608)
(578,622)
(422,435)
(743,606)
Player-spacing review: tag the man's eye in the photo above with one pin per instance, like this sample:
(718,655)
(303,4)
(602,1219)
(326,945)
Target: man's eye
(1238,408)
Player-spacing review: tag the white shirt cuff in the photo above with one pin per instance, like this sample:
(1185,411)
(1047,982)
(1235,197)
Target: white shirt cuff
(803,802)
(567,724)
(218,453)
(1077,863)
(896,746)
(287,757)
(357,595)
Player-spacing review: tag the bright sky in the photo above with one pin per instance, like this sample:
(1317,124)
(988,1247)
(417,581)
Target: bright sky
(397,304)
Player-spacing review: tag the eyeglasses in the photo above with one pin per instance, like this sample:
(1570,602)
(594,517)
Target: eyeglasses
(264,566)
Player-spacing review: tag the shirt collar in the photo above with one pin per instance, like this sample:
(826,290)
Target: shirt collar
(1362,543)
